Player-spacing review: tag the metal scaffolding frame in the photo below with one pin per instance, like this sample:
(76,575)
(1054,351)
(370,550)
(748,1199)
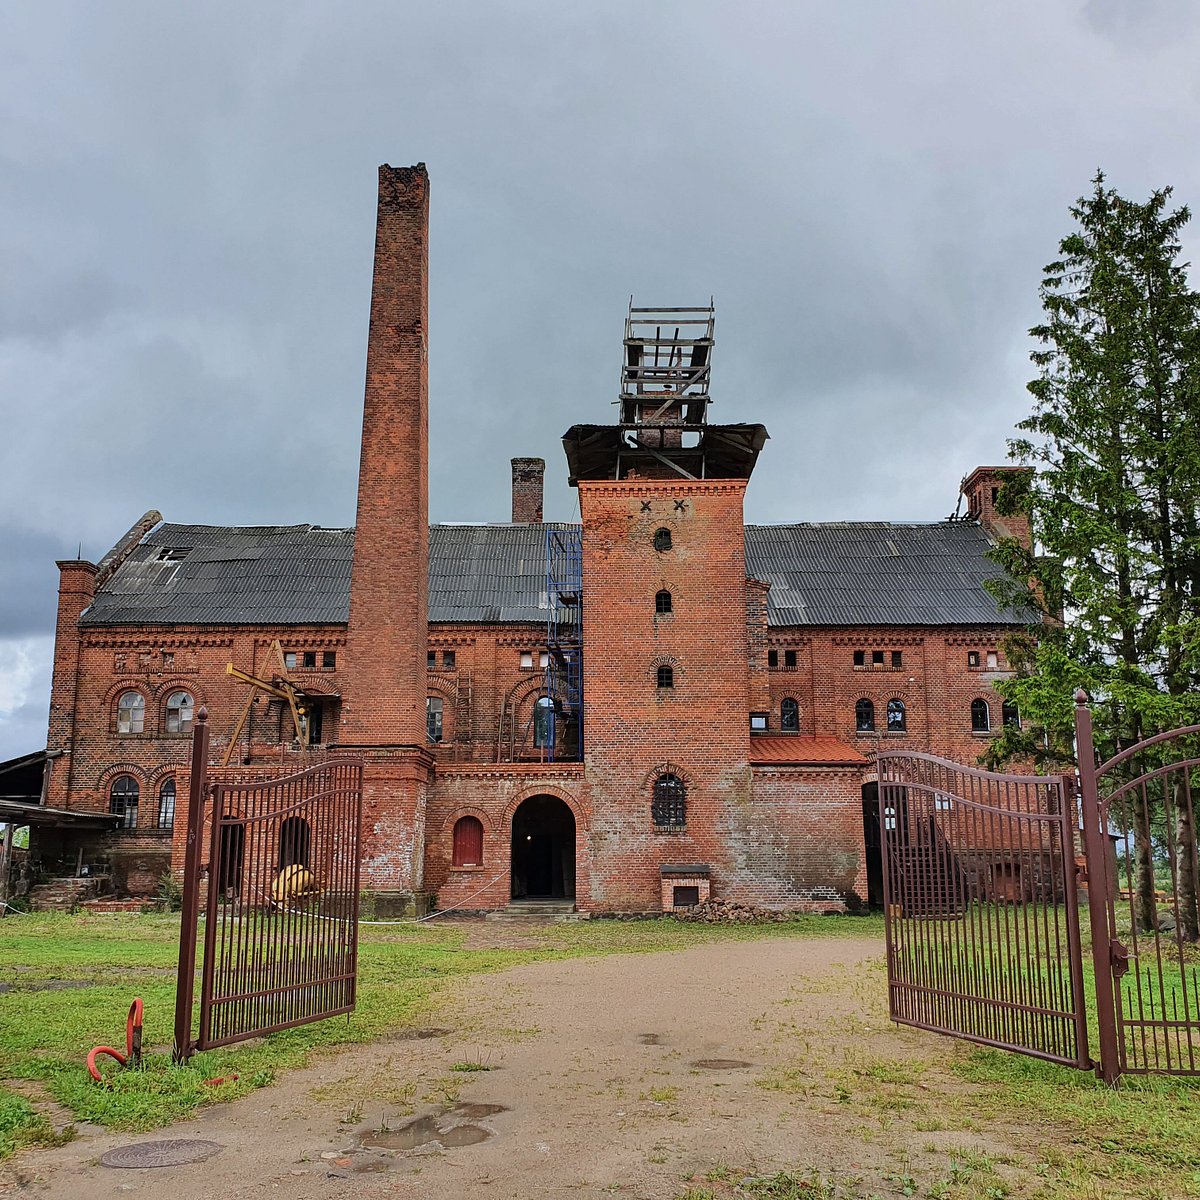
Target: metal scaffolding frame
(564,642)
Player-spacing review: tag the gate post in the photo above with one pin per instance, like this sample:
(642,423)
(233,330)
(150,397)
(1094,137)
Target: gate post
(1095,852)
(185,985)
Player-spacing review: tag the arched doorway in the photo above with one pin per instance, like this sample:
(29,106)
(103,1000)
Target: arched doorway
(543,850)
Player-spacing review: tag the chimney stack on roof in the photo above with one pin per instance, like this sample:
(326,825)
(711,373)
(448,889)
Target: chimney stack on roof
(527,485)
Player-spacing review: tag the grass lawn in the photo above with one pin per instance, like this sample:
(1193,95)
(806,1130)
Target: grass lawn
(95,965)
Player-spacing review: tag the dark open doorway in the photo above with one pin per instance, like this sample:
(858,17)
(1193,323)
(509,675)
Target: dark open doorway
(543,850)
(872,841)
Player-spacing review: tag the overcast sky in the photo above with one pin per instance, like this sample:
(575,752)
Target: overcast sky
(868,189)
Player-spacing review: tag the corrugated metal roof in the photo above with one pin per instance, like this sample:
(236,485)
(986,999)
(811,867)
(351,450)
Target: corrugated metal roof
(217,575)
(820,574)
(876,573)
(488,572)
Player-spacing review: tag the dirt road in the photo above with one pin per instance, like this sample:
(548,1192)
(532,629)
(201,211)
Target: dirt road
(591,1077)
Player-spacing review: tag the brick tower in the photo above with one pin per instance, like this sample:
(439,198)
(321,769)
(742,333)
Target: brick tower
(383,716)
(665,618)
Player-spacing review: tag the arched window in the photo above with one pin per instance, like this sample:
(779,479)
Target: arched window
(981,717)
(433,718)
(166,803)
(669,806)
(295,838)
(180,706)
(666,677)
(131,712)
(1010,714)
(468,842)
(864,716)
(123,800)
(662,540)
(896,718)
(544,713)
(662,602)
(789,716)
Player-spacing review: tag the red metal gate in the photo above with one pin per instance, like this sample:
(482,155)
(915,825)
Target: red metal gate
(280,944)
(981,918)
(1140,831)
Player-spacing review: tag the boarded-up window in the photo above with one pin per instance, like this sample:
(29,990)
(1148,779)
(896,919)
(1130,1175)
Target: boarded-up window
(468,842)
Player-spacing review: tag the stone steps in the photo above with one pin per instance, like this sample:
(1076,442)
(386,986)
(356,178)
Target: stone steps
(536,912)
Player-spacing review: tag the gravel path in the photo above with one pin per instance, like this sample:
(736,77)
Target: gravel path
(625,1074)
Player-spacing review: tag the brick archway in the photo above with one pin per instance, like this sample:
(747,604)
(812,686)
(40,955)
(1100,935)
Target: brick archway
(544,843)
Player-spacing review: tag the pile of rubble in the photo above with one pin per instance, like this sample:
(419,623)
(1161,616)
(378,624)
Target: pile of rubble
(729,912)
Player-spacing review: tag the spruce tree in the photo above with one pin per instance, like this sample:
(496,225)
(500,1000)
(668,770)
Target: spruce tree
(1114,444)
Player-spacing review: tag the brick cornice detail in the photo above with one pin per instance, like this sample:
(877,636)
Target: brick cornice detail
(664,487)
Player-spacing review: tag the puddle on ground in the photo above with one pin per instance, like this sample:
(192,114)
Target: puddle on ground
(720,1064)
(447,1130)
(650,1039)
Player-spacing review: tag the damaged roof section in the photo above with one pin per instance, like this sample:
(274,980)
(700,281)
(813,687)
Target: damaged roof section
(216,575)
(839,573)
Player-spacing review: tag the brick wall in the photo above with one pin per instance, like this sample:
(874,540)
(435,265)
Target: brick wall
(492,794)
(934,680)
(697,730)
(798,844)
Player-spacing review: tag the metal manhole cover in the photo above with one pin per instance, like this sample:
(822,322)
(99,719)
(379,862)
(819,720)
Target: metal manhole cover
(174,1152)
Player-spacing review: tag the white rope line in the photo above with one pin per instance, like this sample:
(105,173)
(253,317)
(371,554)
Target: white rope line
(19,911)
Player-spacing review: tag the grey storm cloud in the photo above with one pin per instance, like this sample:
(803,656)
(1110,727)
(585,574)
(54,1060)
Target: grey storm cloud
(868,190)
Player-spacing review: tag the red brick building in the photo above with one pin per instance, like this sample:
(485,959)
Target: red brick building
(658,704)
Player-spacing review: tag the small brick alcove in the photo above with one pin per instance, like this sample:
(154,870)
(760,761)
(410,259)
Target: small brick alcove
(684,885)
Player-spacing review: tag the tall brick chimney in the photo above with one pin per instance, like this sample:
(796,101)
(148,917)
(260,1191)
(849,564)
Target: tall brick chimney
(76,590)
(385,645)
(527,485)
(383,710)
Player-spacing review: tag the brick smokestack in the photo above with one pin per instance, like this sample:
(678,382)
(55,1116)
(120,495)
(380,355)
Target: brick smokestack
(527,484)
(389,579)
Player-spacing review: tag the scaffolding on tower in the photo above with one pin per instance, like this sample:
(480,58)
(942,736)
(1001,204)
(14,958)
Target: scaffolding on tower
(564,643)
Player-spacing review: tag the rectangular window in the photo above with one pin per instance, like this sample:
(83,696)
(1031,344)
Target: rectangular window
(526,660)
(289,660)
(972,658)
(310,659)
(683,896)
(329,659)
(897,659)
(758,722)
(860,658)
(447,660)
(993,660)
(877,658)
(789,660)
(772,659)
(431,660)
(543,659)
(168,657)
(314,724)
